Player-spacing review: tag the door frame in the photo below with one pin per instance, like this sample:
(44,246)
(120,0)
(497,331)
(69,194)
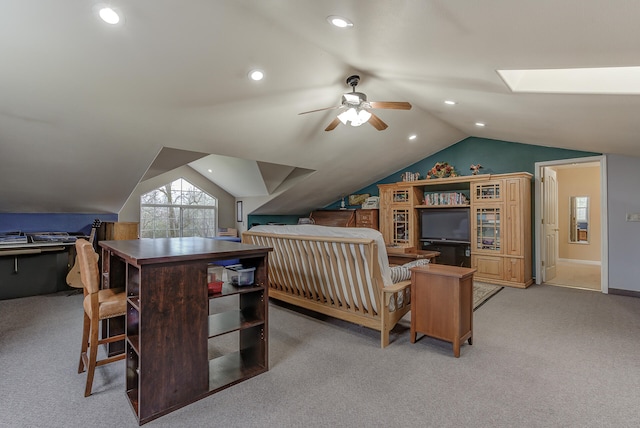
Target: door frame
(539,230)
(546,173)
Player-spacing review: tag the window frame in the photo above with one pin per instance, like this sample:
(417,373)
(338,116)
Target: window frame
(185,188)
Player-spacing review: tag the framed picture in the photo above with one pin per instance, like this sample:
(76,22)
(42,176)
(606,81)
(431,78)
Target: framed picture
(358,199)
(239,211)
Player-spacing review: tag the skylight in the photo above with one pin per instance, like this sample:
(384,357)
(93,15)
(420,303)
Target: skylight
(602,80)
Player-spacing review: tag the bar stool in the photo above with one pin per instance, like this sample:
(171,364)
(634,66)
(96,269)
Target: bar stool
(98,305)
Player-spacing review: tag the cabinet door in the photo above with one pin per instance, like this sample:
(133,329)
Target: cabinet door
(487,229)
(402,220)
(513,225)
(32,274)
(488,191)
(514,270)
(402,196)
(386,217)
(489,267)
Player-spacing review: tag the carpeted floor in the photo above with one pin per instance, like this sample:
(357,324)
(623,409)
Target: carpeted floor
(541,357)
(483,292)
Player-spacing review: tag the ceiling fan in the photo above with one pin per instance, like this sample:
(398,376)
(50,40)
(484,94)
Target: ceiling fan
(356,108)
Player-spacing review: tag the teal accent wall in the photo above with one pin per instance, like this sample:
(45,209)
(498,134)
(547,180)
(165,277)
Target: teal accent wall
(495,156)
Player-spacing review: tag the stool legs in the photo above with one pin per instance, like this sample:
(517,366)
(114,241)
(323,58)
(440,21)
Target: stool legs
(93,356)
(86,325)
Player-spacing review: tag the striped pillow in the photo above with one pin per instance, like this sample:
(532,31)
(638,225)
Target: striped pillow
(403,273)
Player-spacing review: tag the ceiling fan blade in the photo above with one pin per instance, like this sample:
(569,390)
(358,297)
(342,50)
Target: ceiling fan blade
(320,109)
(396,105)
(377,123)
(332,125)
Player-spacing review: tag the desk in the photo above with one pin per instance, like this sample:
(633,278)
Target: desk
(168,326)
(29,269)
(442,303)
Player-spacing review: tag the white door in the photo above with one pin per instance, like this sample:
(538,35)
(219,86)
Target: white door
(550,223)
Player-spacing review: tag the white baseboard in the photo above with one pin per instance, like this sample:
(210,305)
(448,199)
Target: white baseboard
(582,262)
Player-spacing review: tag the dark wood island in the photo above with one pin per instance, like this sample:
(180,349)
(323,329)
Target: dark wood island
(168,324)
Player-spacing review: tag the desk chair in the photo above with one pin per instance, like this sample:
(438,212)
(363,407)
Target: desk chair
(98,305)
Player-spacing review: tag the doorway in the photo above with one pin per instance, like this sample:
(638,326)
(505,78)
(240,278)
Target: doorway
(570,223)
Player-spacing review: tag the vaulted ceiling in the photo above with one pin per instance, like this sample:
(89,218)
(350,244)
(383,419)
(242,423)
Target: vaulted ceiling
(86,107)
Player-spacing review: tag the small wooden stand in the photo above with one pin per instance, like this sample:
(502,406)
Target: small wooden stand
(400,259)
(442,303)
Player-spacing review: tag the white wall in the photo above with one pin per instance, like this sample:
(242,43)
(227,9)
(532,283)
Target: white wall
(623,176)
(226,202)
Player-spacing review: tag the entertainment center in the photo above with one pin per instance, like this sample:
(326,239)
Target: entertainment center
(478,221)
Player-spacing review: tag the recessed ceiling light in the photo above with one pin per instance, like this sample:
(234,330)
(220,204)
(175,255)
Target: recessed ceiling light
(210,170)
(109,15)
(450,102)
(256,75)
(413,137)
(339,21)
(480,124)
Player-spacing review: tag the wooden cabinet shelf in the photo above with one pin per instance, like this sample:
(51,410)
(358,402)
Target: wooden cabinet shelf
(232,368)
(442,206)
(168,326)
(226,322)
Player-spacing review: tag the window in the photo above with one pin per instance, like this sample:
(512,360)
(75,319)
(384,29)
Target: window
(581,208)
(177,209)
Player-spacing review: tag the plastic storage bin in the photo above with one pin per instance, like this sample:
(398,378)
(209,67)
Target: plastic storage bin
(214,278)
(240,276)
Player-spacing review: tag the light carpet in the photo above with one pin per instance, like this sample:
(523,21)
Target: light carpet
(482,292)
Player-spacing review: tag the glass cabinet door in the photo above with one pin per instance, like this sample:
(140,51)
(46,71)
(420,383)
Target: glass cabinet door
(401,228)
(401,196)
(488,229)
(490,191)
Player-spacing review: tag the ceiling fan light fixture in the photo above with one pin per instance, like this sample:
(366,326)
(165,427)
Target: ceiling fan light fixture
(354,98)
(354,108)
(363,117)
(354,116)
(348,115)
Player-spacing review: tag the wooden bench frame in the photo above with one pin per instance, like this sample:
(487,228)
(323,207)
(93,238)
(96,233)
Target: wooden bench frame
(309,271)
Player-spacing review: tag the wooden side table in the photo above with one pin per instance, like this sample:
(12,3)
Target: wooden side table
(442,303)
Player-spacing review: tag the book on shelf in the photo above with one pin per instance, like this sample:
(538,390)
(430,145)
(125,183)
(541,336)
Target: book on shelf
(445,198)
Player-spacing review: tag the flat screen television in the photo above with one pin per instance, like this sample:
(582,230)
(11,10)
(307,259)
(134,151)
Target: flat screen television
(445,224)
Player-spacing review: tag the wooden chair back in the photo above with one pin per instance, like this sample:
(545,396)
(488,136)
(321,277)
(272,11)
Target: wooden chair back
(88,263)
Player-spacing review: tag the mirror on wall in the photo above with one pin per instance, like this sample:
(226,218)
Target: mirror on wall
(579,219)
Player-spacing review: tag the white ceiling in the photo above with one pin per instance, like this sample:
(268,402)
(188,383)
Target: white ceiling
(86,107)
